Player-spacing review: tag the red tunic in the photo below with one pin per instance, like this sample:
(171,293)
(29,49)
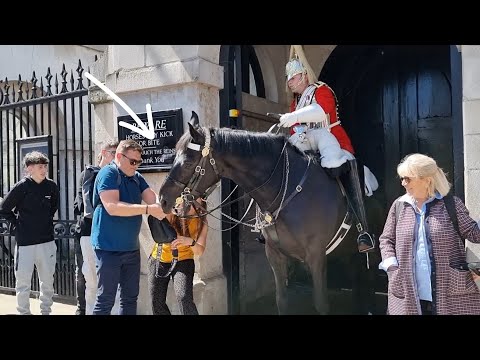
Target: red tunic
(326,100)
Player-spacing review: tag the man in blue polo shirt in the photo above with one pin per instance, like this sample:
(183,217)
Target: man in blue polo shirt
(118,193)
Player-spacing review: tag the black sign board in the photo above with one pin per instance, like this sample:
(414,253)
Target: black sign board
(158,153)
(34,143)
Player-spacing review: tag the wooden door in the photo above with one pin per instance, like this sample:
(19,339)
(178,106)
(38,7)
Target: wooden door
(402,105)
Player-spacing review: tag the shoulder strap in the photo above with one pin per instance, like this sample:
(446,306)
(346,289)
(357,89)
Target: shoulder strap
(96,201)
(452,212)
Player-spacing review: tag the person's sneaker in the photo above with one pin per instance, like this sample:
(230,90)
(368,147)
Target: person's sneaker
(366,243)
(80,312)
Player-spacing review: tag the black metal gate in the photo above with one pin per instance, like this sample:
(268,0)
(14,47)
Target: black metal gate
(54,113)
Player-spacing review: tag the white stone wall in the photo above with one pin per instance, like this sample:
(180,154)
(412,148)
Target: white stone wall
(24,59)
(471,131)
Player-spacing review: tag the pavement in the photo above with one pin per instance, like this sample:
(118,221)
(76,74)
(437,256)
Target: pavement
(8,306)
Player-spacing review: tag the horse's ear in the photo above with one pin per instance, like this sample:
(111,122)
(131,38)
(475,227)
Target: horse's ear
(194,119)
(196,136)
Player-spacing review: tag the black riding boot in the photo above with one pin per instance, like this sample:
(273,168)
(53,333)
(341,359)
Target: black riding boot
(365,241)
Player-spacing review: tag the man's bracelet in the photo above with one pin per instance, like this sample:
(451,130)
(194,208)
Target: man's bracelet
(193,242)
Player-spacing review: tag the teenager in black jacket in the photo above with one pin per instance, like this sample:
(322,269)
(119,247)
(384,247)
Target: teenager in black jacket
(30,206)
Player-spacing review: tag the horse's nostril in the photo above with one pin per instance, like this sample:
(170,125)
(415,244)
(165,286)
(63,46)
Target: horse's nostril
(163,203)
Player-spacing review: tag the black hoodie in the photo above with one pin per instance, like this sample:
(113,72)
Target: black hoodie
(31,207)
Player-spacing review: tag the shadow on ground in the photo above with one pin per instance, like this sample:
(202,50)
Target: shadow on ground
(300,298)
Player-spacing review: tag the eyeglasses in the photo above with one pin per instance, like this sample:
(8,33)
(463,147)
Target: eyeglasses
(133,162)
(406,178)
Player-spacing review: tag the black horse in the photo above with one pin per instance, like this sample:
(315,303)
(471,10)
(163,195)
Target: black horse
(306,207)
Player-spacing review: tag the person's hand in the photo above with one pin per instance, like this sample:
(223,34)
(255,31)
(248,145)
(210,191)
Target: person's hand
(288,119)
(156,211)
(182,240)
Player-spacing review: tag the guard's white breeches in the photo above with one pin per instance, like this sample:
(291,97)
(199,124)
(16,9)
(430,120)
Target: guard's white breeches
(331,154)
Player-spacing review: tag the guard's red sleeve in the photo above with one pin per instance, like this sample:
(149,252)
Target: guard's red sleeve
(326,100)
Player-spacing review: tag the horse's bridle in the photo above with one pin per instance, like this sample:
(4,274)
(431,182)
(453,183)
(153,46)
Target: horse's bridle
(189,192)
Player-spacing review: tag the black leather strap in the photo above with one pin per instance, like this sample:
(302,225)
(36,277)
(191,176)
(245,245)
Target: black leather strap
(297,191)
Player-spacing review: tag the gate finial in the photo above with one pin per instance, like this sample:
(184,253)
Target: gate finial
(34,86)
(49,85)
(80,79)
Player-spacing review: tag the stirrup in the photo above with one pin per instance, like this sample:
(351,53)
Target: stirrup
(365,242)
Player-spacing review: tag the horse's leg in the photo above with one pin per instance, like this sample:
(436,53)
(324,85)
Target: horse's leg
(363,283)
(318,266)
(279,265)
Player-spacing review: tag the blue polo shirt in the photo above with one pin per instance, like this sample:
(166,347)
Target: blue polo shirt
(117,233)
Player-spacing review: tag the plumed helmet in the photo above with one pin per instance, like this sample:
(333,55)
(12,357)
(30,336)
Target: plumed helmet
(298,64)
(293,68)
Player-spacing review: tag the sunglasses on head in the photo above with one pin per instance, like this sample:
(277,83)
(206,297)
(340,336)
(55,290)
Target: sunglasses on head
(133,162)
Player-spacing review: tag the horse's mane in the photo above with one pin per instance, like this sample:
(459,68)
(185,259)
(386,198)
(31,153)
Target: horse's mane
(244,143)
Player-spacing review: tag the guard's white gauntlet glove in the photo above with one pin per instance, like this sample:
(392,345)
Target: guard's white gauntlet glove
(307,114)
(288,119)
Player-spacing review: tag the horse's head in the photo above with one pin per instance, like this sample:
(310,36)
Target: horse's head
(193,170)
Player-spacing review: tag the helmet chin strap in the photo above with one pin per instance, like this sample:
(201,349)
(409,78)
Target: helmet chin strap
(302,79)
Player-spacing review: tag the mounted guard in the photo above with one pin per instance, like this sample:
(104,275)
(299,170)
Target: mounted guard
(315,126)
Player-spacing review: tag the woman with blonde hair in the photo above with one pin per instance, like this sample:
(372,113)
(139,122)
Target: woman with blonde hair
(422,252)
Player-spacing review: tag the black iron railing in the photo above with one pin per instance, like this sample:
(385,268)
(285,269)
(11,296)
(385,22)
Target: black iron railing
(56,108)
